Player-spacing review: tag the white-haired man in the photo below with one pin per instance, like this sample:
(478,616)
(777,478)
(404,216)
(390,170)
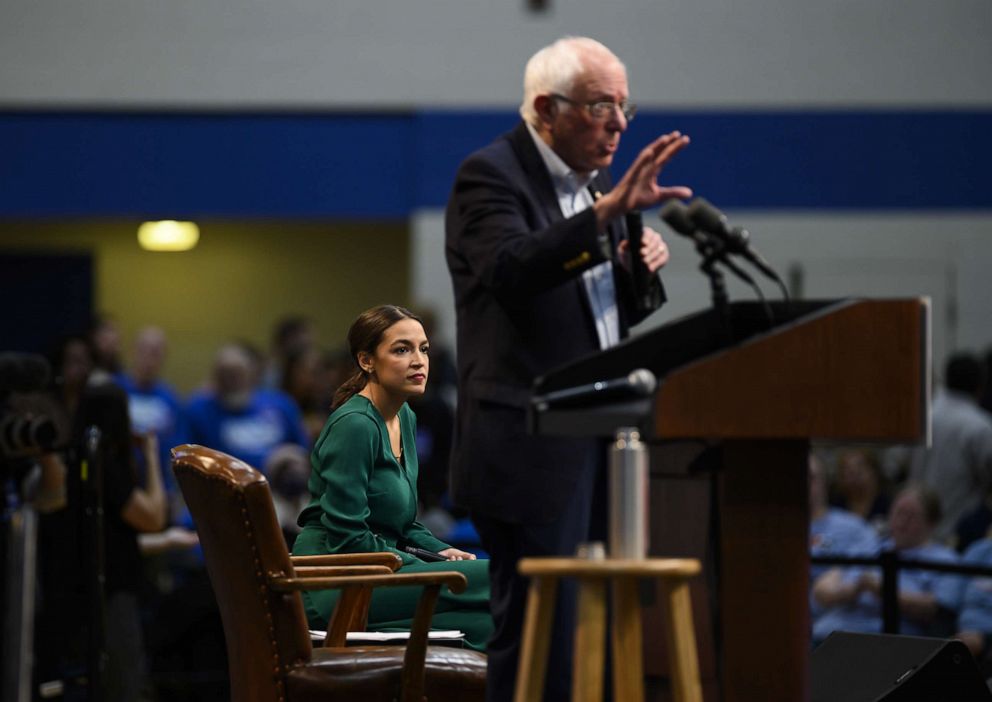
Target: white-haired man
(539,260)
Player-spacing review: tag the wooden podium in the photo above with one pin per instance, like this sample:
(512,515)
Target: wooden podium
(738,401)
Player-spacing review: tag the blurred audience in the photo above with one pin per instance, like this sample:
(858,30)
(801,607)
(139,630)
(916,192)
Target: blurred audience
(238,418)
(834,531)
(153,405)
(958,465)
(851,597)
(289,470)
(289,334)
(105,341)
(858,487)
(68,560)
(302,383)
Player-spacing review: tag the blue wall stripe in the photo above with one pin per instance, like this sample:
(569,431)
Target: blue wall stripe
(383,165)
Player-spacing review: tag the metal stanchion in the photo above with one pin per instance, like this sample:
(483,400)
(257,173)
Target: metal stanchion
(19,573)
(628,496)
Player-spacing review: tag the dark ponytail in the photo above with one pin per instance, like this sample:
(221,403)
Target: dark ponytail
(365,335)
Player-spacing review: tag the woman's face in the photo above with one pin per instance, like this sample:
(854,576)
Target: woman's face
(400,363)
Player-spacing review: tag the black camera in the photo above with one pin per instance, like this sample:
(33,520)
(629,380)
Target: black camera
(24,431)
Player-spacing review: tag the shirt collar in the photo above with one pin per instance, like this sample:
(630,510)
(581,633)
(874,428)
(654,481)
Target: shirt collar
(562,176)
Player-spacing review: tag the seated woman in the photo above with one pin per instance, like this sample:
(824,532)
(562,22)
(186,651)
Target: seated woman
(363,483)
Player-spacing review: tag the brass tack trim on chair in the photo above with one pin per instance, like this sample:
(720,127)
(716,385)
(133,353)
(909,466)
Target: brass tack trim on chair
(279,668)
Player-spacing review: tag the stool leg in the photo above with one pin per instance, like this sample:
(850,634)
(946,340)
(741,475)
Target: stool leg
(680,637)
(536,639)
(590,641)
(628,664)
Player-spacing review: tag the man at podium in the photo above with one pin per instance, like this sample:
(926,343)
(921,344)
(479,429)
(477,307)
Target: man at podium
(538,251)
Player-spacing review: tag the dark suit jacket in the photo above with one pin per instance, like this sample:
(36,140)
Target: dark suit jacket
(522,309)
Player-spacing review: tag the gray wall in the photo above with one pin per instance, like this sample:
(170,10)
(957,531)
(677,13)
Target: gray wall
(341,53)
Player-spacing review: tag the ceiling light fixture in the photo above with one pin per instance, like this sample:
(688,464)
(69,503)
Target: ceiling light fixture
(168,235)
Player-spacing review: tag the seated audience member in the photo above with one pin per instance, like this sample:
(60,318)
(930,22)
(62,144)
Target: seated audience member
(858,487)
(975,616)
(851,597)
(289,470)
(240,419)
(834,531)
(364,481)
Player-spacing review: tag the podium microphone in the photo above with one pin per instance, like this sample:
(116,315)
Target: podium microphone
(638,268)
(713,248)
(638,383)
(737,240)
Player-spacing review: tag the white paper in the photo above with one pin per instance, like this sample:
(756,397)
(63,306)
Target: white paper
(446,634)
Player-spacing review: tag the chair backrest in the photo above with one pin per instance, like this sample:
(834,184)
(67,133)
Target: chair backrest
(266,631)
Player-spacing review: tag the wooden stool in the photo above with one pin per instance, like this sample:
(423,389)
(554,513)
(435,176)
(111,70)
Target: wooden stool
(590,629)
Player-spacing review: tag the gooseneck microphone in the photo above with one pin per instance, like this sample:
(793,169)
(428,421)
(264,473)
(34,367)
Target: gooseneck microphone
(737,240)
(638,383)
(638,268)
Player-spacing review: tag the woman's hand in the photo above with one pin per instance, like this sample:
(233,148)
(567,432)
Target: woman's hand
(453,554)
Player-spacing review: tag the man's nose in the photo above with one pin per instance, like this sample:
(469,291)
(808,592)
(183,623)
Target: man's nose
(616,122)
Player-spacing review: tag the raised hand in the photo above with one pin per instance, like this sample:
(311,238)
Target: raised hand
(639,188)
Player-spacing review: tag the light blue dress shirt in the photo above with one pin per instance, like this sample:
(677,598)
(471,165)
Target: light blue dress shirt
(574,197)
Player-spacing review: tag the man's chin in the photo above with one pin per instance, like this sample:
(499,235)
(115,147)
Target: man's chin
(604,161)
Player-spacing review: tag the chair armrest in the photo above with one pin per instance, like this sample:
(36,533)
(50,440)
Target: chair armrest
(391,560)
(316,578)
(455,581)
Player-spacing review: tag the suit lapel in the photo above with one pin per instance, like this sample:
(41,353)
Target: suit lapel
(537,172)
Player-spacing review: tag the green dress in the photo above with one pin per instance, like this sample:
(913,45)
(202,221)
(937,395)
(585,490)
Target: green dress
(364,499)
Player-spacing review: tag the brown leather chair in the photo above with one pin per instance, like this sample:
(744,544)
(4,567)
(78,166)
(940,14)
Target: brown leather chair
(257,585)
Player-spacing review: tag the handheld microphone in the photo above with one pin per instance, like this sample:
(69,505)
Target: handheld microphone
(736,239)
(638,268)
(423,554)
(638,383)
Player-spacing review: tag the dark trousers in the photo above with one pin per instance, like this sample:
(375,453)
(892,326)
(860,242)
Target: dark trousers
(583,519)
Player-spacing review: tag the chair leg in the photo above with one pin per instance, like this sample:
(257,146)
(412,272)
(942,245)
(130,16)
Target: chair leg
(628,666)
(681,640)
(590,641)
(536,639)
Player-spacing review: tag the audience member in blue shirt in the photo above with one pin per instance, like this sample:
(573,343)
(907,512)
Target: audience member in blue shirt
(153,406)
(240,419)
(852,596)
(975,618)
(833,531)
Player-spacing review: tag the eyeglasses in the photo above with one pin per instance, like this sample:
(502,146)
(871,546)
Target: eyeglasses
(602,109)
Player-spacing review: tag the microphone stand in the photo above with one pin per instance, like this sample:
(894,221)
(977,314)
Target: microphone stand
(718,283)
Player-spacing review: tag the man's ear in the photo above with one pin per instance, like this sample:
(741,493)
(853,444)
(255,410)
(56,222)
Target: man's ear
(546,108)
